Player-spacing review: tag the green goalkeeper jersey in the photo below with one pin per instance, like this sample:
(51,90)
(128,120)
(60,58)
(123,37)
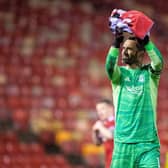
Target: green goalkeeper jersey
(135,96)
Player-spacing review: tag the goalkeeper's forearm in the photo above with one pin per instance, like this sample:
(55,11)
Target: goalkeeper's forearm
(155,56)
(111,61)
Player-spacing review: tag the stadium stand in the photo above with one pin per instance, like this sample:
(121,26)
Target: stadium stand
(52,55)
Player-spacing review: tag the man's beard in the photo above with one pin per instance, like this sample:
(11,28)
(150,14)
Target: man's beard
(130,59)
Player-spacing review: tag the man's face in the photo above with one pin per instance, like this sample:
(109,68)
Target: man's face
(130,52)
(104,111)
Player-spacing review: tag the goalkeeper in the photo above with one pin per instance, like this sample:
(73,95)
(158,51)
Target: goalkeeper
(135,87)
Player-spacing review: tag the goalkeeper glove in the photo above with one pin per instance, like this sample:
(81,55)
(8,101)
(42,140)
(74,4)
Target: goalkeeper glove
(118,39)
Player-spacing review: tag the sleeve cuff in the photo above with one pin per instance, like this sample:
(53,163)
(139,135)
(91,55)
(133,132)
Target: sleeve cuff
(149,46)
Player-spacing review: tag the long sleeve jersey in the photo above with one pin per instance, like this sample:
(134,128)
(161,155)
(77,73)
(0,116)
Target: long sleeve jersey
(135,96)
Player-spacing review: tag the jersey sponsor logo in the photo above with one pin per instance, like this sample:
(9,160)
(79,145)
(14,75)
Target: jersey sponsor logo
(135,89)
(132,87)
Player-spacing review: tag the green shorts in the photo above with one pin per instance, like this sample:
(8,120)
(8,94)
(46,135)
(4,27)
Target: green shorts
(136,155)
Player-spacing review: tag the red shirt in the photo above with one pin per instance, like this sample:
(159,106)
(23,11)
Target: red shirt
(139,23)
(108,144)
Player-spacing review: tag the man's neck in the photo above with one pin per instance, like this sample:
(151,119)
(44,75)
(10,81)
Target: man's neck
(133,66)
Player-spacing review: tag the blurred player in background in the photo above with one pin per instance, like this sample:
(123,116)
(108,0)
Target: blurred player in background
(102,131)
(135,87)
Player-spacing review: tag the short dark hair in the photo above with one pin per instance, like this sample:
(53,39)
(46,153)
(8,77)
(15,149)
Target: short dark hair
(105,100)
(139,44)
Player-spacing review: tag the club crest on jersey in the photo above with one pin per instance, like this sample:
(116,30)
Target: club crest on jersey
(141,78)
